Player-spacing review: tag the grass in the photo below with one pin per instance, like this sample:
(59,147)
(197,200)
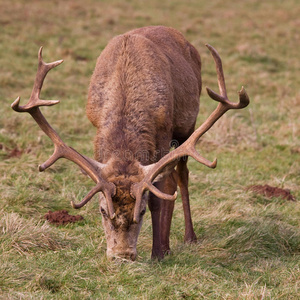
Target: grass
(248,245)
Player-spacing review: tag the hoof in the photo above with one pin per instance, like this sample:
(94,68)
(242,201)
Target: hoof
(190,239)
(157,255)
(167,252)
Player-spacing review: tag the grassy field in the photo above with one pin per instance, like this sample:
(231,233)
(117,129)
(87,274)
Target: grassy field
(248,246)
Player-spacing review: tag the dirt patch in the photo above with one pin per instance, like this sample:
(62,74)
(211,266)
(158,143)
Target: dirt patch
(61,217)
(15,152)
(270,192)
(295,150)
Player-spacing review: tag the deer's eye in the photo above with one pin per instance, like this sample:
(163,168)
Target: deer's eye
(143,212)
(103,212)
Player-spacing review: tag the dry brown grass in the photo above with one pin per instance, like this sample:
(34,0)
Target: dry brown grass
(26,236)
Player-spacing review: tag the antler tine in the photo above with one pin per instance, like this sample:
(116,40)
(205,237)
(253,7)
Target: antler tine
(188,147)
(43,69)
(95,190)
(219,68)
(137,191)
(34,100)
(222,98)
(61,150)
(88,197)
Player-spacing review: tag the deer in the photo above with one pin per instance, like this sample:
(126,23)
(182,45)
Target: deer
(144,94)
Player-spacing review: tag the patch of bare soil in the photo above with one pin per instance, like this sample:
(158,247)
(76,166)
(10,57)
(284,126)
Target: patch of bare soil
(270,192)
(15,152)
(61,217)
(295,150)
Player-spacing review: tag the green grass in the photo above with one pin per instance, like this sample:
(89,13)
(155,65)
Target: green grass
(248,245)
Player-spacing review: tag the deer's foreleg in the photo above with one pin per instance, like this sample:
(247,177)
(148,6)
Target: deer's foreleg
(167,208)
(154,207)
(183,181)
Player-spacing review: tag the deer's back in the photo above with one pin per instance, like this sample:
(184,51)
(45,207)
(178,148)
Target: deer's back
(144,91)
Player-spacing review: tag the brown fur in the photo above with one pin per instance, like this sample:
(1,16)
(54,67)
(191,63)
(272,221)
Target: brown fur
(144,92)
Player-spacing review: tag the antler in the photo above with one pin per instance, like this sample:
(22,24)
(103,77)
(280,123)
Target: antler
(188,147)
(61,150)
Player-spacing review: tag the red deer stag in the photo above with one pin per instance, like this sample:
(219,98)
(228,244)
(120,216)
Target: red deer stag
(143,95)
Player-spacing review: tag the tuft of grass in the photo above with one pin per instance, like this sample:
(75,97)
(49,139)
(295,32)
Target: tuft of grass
(264,238)
(28,236)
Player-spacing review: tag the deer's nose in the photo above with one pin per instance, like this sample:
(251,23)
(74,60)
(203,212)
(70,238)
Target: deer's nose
(128,255)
